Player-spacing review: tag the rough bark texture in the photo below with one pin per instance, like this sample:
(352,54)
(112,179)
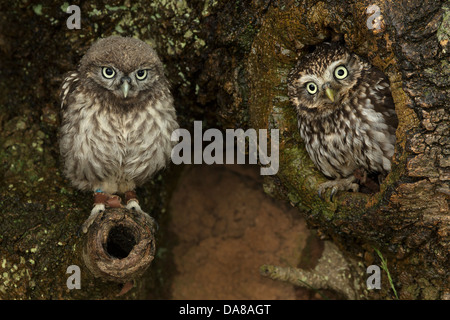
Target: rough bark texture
(227,62)
(401,221)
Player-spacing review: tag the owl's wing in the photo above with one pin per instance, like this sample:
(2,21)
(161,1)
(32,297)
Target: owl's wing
(384,103)
(69,84)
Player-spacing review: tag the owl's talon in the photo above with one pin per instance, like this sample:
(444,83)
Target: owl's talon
(344,184)
(334,190)
(96,211)
(319,192)
(133,206)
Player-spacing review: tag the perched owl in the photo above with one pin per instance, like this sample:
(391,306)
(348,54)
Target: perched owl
(346,115)
(117,120)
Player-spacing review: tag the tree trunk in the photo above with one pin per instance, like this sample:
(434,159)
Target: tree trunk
(411,47)
(227,62)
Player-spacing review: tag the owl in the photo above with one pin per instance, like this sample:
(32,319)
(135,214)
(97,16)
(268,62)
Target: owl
(346,115)
(117,117)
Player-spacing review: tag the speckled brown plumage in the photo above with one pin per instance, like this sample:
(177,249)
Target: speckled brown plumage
(346,114)
(117,118)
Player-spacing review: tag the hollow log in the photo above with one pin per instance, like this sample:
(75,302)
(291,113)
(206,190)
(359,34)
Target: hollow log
(119,246)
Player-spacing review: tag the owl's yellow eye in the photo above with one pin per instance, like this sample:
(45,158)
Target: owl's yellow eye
(311,87)
(340,72)
(108,72)
(141,74)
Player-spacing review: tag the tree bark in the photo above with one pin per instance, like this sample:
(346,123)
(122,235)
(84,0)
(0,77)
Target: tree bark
(227,62)
(412,48)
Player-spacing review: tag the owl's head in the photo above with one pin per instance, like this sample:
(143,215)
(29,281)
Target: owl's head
(321,79)
(123,69)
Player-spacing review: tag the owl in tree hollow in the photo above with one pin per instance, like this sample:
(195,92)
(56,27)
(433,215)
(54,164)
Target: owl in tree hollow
(117,120)
(346,115)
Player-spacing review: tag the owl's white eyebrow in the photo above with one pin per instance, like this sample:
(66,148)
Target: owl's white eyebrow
(145,68)
(332,66)
(328,74)
(309,78)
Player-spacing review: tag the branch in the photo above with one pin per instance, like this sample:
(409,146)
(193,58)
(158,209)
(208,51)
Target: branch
(332,272)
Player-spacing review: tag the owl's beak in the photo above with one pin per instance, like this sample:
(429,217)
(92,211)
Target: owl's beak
(125,86)
(330,94)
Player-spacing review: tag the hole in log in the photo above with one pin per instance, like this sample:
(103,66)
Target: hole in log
(120,242)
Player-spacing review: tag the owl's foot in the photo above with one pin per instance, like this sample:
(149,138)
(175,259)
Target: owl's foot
(98,209)
(338,185)
(101,202)
(109,200)
(133,206)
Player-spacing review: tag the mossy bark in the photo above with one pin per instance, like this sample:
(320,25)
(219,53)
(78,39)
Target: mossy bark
(227,62)
(400,220)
